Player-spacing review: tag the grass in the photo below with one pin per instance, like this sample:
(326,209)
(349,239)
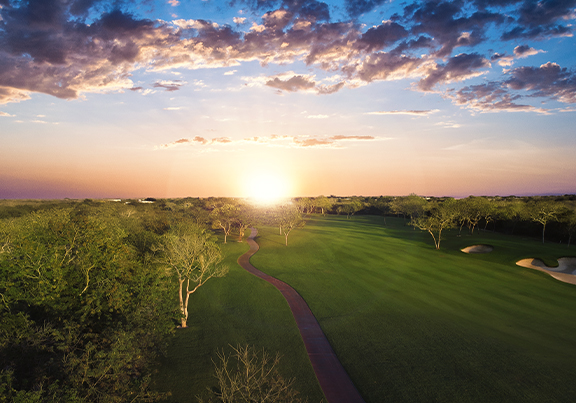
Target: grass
(236,309)
(412,324)
(408,322)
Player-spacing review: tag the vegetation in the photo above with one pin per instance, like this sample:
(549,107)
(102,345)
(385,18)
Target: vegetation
(195,258)
(253,377)
(88,308)
(82,319)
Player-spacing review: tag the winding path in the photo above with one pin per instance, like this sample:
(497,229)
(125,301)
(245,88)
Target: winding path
(333,379)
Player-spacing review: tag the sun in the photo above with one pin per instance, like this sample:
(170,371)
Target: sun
(267,188)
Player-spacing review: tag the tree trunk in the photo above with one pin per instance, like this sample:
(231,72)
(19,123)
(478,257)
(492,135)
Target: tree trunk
(543,229)
(185,317)
(183,309)
(436,243)
(286,236)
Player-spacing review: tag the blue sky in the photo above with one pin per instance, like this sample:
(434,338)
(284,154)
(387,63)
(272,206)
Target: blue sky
(190,98)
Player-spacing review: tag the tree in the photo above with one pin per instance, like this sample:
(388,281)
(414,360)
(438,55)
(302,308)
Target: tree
(441,217)
(384,205)
(76,310)
(324,203)
(570,224)
(245,218)
(411,205)
(253,377)
(195,259)
(543,212)
(515,210)
(224,216)
(289,219)
(351,207)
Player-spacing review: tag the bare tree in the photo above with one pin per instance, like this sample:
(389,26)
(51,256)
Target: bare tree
(251,376)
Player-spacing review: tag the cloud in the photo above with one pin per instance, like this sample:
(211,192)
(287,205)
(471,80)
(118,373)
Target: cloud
(173,108)
(522,51)
(458,68)
(273,140)
(174,3)
(340,137)
(449,25)
(291,82)
(67,48)
(405,112)
(492,97)
(387,66)
(502,59)
(382,36)
(356,7)
(548,80)
(295,83)
(5,114)
(317,117)
(170,85)
(330,89)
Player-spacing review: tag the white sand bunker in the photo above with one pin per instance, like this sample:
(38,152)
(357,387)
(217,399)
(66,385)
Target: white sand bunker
(478,249)
(566,270)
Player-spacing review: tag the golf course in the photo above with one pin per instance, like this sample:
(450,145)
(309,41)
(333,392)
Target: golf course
(409,323)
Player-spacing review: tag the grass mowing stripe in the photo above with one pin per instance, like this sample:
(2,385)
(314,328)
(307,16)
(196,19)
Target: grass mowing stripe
(414,324)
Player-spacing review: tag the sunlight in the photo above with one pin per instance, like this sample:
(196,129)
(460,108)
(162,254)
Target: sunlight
(267,188)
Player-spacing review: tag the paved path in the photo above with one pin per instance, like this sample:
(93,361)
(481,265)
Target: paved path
(333,379)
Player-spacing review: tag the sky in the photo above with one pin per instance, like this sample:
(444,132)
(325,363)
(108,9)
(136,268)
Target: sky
(179,98)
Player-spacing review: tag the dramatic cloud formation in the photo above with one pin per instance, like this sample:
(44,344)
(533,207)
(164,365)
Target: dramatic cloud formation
(65,48)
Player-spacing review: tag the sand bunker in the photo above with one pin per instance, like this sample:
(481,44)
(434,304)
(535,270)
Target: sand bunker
(478,249)
(566,270)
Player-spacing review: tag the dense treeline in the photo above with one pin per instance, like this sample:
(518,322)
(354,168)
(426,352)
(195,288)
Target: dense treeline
(535,216)
(86,301)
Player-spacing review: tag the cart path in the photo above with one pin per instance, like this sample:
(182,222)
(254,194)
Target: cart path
(333,379)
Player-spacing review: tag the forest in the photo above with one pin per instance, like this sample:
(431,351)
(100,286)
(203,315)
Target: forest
(93,290)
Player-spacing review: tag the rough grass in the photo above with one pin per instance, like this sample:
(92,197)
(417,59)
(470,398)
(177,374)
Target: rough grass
(413,324)
(408,322)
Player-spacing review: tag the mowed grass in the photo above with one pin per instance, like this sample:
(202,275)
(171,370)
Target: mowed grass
(236,309)
(413,324)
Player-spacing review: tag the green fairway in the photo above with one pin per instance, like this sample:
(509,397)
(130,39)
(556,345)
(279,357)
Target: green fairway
(236,309)
(413,324)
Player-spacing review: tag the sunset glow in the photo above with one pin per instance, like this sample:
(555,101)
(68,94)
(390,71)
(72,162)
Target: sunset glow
(173,99)
(267,188)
